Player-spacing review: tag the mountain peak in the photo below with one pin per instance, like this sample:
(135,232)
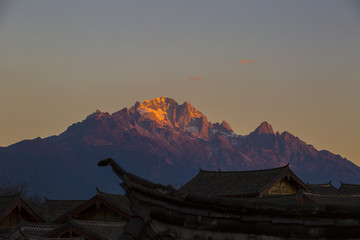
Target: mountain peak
(166,111)
(159,101)
(167,142)
(98,114)
(225,125)
(264,128)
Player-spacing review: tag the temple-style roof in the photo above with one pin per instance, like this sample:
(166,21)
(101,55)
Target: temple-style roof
(117,203)
(161,212)
(336,199)
(6,202)
(238,183)
(14,204)
(349,189)
(53,209)
(25,237)
(41,238)
(88,229)
(325,188)
(33,229)
(96,230)
(287,199)
(10,202)
(106,230)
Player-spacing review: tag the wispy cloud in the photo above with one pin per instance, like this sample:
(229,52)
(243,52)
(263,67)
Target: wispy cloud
(245,61)
(194,79)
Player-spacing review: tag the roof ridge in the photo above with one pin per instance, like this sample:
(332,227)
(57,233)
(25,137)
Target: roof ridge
(331,196)
(109,194)
(243,171)
(279,171)
(73,222)
(24,222)
(328,184)
(349,184)
(66,200)
(96,222)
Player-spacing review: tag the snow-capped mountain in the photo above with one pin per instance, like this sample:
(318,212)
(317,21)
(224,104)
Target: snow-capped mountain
(165,142)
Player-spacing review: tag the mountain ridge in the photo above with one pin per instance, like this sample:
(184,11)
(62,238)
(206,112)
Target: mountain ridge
(166,142)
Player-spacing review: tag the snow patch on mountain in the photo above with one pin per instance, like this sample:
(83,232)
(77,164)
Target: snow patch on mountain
(159,113)
(192,129)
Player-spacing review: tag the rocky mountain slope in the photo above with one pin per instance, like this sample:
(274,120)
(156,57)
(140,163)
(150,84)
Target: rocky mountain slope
(163,141)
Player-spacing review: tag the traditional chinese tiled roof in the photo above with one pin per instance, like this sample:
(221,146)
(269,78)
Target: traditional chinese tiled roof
(106,230)
(53,209)
(98,230)
(10,202)
(163,213)
(6,202)
(33,229)
(25,237)
(326,188)
(14,202)
(287,199)
(349,189)
(236,183)
(119,201)
(90,229)
(336,199)
(114,201)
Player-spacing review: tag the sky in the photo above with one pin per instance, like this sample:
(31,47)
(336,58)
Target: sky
(295,64)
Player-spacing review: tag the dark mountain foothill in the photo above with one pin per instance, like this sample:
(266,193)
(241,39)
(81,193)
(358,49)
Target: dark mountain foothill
(162,141)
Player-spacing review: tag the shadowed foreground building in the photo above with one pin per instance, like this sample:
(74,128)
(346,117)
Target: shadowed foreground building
(12,209)
(276,181)
(214,205)
(100,218)
(162,212)
(83,229)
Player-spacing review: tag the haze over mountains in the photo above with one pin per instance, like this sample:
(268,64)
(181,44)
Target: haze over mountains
(164,142)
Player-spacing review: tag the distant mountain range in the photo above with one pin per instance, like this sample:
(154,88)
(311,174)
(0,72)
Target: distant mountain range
(164,142)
